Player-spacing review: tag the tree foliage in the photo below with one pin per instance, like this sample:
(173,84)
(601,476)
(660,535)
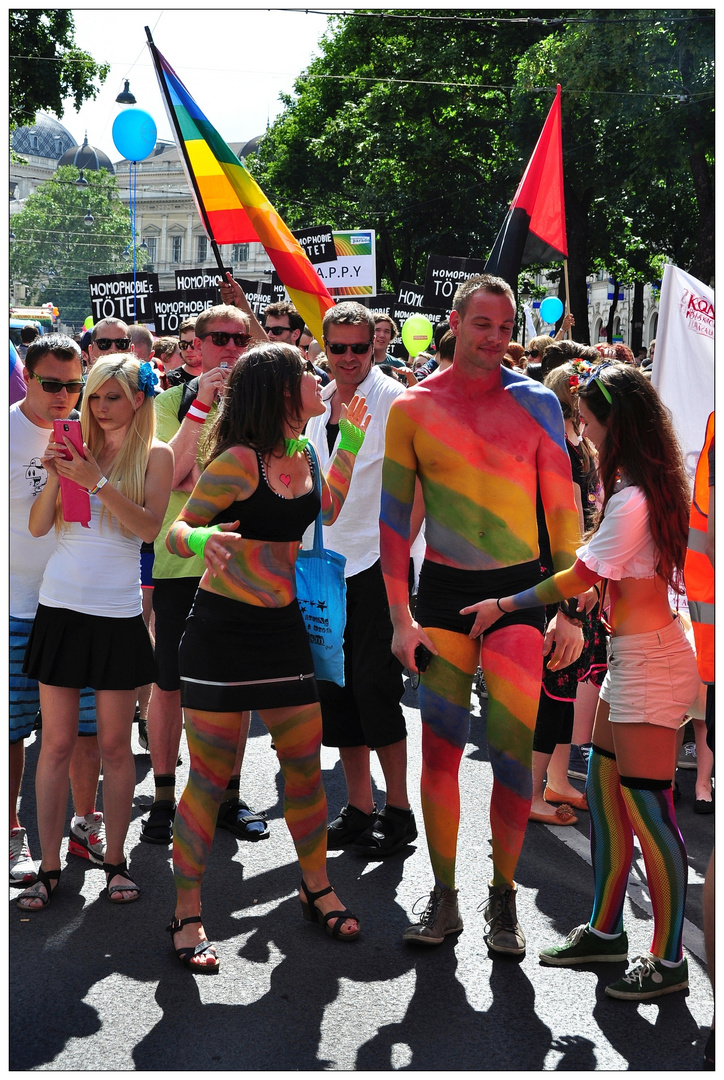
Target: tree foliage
(55,249)
(421,123)
(46,66)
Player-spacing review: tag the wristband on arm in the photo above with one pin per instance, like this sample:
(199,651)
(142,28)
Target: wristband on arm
(198,411)
(196,539)
(350,436)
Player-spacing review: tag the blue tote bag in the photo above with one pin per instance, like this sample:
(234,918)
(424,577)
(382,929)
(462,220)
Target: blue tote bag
(322,599)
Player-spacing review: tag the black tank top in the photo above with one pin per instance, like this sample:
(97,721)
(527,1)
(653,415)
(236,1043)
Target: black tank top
(265,515)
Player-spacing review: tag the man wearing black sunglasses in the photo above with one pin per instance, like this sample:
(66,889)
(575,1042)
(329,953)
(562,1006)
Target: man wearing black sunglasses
(109,336)
(182,414)
(53,380)
(366,713)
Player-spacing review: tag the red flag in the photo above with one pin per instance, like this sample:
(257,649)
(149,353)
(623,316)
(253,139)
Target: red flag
(534,230)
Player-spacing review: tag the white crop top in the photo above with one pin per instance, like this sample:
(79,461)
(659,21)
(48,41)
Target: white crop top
(95,571)
(623,546)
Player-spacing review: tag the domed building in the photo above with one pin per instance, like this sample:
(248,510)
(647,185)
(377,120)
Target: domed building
(46,138)
(86,157)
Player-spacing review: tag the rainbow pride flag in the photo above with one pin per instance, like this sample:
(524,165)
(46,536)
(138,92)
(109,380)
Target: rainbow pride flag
(231,204)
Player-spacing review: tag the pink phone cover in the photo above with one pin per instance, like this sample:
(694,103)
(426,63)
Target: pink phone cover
(74,498)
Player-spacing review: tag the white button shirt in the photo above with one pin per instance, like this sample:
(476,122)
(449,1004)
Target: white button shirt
(356,532)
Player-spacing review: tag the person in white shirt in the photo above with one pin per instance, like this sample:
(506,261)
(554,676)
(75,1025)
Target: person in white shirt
(53,381)
(365,714)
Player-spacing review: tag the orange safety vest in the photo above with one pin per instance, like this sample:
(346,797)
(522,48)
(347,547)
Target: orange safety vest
(698,571)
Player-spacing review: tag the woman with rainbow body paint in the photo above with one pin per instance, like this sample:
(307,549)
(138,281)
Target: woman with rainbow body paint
(637,549)
(245,645)
(483,440)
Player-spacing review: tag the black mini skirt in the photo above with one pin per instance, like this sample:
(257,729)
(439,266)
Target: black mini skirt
(70,648)
(236,656)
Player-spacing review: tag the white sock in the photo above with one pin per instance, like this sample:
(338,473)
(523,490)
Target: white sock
(668,963)
(606,937)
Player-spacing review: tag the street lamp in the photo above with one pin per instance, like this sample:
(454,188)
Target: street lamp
(125,97)
(88,219)
(81,182)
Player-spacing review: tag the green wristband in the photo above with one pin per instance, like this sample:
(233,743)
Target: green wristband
(351,437)
(196,539)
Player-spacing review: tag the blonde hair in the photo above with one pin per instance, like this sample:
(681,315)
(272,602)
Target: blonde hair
(563,381)
(128,471)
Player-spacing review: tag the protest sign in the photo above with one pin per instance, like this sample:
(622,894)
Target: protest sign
(258,293)
(443,275)
(200,279)
(112,297)
(318,243)
(354,270)
(377,305)
(172,308)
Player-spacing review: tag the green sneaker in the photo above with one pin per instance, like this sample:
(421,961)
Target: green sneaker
(649,978)
(582,946)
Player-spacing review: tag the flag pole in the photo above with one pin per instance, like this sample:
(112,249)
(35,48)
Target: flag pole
(568,308)
(171,112)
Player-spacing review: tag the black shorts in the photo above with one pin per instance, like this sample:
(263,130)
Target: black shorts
(236,656)
(70,648)
(172,600)
(366,711)
(444,590)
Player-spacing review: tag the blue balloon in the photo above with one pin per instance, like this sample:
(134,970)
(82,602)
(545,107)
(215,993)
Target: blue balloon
(134,134)
(551,309)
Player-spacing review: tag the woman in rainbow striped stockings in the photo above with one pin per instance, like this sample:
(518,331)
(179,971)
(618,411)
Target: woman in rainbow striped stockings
(637,548)
(245,644)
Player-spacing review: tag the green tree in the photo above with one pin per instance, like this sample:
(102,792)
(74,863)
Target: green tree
(46,66)
(56,248)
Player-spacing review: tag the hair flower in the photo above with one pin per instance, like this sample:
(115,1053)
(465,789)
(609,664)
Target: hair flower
(147,379)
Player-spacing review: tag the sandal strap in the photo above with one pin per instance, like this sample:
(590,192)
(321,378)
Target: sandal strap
(46,876)
(190,951)
(176,924)
(341,918)
(312,896)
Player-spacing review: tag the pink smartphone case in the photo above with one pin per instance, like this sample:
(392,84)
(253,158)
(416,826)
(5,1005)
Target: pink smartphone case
(74,498)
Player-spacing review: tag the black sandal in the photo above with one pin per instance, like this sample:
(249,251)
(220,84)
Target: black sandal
(122,870)
(187,954)
(312,914)
(44,878)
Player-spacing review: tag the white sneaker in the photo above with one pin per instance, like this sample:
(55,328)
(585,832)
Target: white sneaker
(88,839)
(22,867)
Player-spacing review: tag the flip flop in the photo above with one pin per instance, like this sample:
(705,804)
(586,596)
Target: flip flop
(577,802)
(563,815)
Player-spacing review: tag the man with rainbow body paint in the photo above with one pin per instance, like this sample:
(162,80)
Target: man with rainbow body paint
(482,439)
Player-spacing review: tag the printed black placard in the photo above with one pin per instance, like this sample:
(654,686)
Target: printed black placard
(443,275)
(112,297)
(318,242)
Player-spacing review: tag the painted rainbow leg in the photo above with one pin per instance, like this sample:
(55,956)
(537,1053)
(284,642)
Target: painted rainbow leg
(611,841)
(444,697)
(297,735)
(512,663)
(212,740)
(650,806)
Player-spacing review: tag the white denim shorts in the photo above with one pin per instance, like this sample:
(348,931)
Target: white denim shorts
(651,678)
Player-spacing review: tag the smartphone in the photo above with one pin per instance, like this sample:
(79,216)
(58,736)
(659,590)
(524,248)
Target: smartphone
(75,499)
(423,656)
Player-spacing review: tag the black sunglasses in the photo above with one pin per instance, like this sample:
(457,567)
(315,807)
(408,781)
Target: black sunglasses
(277,331)
(338,349)
(184,345)
(220,338)
(104,343)
(52,386)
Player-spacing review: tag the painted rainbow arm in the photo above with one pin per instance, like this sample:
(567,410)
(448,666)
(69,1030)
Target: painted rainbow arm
(556,488)
(399,471)
(335,485)
(576,579)
(224,481)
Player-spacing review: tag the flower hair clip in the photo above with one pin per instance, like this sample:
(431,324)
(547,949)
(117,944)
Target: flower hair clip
(147,379)
(573,382)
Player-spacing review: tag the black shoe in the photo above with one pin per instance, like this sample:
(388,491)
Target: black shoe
(242,821)
(143,734)
(157,828)
(347,827)
(391,830)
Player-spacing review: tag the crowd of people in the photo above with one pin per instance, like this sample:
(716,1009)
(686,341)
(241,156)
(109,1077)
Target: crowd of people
(495,503)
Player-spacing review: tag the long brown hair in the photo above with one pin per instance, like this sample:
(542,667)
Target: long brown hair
(641,444)
(262,394)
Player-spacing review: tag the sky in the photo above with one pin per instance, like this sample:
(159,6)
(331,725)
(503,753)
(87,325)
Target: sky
(234,63)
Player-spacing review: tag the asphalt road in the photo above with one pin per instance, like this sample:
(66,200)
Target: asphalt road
(96,989)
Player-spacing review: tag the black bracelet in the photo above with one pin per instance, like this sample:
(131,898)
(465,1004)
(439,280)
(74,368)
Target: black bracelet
(502,610)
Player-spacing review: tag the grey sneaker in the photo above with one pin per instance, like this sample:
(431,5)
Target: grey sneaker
(88,839)
(22,867)
(578,761)
(504,933)
(687,756)
(582,946)
(648,978)
(440,917)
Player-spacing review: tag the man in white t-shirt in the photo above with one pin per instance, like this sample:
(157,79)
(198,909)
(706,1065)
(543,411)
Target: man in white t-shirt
(365,714)
(52,375)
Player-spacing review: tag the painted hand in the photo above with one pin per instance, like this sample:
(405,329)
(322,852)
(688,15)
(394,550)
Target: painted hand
(486,613)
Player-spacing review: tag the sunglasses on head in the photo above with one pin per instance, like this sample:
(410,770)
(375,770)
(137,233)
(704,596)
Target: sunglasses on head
(594,373)
(104,343)
(338,349)
(52,386)
(533,353)
(220,338)
(277,331)
(184,345)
